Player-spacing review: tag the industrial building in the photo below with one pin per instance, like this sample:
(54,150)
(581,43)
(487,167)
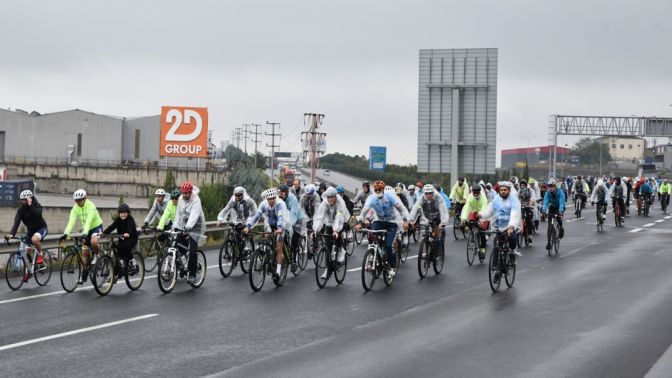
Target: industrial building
(624,148)
(81,137)
(532,155)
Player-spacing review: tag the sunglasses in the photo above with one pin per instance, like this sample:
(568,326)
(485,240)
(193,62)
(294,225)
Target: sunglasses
(239,195)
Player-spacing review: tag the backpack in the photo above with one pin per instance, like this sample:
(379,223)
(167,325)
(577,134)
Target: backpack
(618,191)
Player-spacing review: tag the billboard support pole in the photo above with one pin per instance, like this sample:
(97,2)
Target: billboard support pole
(455,135)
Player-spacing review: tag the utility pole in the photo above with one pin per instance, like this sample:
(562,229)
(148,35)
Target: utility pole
(238,132)
(313,140)
(246,131)
(272,146)
(256,141)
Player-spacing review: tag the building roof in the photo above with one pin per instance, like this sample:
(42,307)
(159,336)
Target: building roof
(533,150)
(37,114)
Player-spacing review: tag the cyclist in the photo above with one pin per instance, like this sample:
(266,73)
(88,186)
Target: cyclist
(645,193)
(617,193)
(459,193)
(190,219)
(296,188)
(168,217)
(554,203)
(92,225)
(476,202)
(158,207)
(506,210)
(433,207)
(277,218)
(30,213)
(628,186)
(528,199)
(600,196)
(399,191)
(664,191)
(411,195)
(534,186)
(240,207)
(383,205)
(333,215)
(125,226)
(295,216)
(321,188)
(362,196)
(580,189)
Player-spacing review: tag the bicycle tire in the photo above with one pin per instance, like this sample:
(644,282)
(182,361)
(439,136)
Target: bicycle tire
(359,236)
(167,274)
(456,225)
(519,238)
(227,258)
(258,270)
(416,234)
(472,248)
(282,278)
(244,256)
(551,237)
(423,258)
(43,276)
(341,270)
(405,245)
(303,251)
(350,250)
(201,269)
(368,270)
(135,279)
(556,245)
(152,254)
(71,270)
(15,269)
(103,275)
(321,267)
(438,261)
(494,272)
(510,276)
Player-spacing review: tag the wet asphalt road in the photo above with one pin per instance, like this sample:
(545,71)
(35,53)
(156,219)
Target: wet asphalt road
(601,308)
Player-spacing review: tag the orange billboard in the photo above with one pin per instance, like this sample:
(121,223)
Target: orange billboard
(184,131)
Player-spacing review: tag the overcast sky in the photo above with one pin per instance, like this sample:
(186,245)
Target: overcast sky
(355,61)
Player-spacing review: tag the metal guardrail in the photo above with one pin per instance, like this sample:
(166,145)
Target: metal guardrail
(51,242)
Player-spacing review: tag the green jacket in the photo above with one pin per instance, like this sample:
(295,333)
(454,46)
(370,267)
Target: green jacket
(87,214)
(474,204)
(664,188)
(168,215)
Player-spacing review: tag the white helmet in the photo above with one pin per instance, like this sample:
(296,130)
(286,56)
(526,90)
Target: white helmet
(428,188)
(239,190)
(330,192)
(310,189)
(506,184)
(25,194)
(389,189)
(160,192)
(269,193)
(79,194)
(411,187)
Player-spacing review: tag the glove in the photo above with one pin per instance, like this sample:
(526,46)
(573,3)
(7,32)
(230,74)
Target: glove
(146,224)
(62,238)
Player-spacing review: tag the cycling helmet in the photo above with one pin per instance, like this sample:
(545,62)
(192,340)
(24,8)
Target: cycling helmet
(310,189)
(389,189)
(330,192)
(531,181)
(551,182)
(25,194)
(523,182)
(476,188)
(340,189)
(283,188)
(160,192)
(187,187)
(79,194)
(175,194)
(238,190)
(323,187)
(123,208)
(505,184)
(411,187)
(429,188)
(367,184)
(461,178)
(269,193)
(379,185)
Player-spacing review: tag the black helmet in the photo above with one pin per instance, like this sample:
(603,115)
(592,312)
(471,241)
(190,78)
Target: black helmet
(367,184)
(461,178)
(175,194)
(283,188)
(523,182)
(475,188)
(123,208)
(323,186)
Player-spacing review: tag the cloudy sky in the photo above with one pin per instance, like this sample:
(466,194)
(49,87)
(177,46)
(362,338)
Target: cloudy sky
(355,61)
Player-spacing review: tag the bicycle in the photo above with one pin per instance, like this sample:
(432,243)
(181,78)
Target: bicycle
(175,263)
(501,261)
(427,254)
(473,248)
(618,215)
(153,251)
(578,205)
(71,268)
(524,236)
(20,267)
(401,245)
(553,231)
(234,251)
(107,270)
(457,227)
(664,202)
(375,262)
(263,262)
(647,205)
(327,261)
(599,215)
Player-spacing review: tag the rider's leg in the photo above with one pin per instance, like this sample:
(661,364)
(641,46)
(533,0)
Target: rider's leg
(389,239)
(192,265)
(278,254)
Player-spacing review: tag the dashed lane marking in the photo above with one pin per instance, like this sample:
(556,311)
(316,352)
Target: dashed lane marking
(635,230)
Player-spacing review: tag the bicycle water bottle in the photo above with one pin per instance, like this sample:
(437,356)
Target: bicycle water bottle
(333,252)
(18,263)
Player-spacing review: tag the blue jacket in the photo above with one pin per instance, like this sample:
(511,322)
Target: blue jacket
(446,198)
(296,215)
(557,201)
(274,215)
(384,207)
(646,189)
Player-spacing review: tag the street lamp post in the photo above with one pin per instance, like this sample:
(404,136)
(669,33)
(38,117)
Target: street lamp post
(527,150)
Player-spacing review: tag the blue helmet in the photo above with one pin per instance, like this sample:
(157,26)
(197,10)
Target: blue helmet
(310,189)
(340,189)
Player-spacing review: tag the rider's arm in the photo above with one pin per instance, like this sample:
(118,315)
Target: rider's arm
(547,200)
(339,221)
(221,217)
(443,210)
(403,211)
(251,221)
(194,215)
(72,221)
(415,209)
(168,215)
(132,228)
(515,217)
(152,211)
(365,210)
(466,209)
(487,212)
(111,227)
(17,221)
(562,202)
(91,214)
(318,217)
(252,205)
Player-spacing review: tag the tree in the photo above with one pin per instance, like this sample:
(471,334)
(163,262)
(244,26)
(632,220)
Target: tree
(261,161)
(169,182)
(588,151)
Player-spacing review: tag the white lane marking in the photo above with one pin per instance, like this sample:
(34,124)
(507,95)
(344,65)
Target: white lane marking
(660,220)
(90,287)
(74,332)
(649,224)
(360,268)
(576,250)
(635,230)
(668,217)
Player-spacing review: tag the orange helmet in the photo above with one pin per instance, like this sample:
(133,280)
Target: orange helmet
(379,185)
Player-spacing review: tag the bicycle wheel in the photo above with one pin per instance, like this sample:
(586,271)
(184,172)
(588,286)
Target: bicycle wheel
(472,248)
(167,273)
(227,258)
(551,237)
(341,270)
(150,255)
(437,261)
(510,275)
(321,267)
(302,257)
(244,256)
(368,270)
(556,245)
(201,269)
(280,280)
(358,237)
(350,245)
(494,272)
(103,275)
(519,239)
(15,271)
(416,234)
(456,226)
(43,275)
(71,270)
(257,271)
(135,276)
(403,250)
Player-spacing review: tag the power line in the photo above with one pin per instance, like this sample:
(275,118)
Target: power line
(272,146)
(256,140)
